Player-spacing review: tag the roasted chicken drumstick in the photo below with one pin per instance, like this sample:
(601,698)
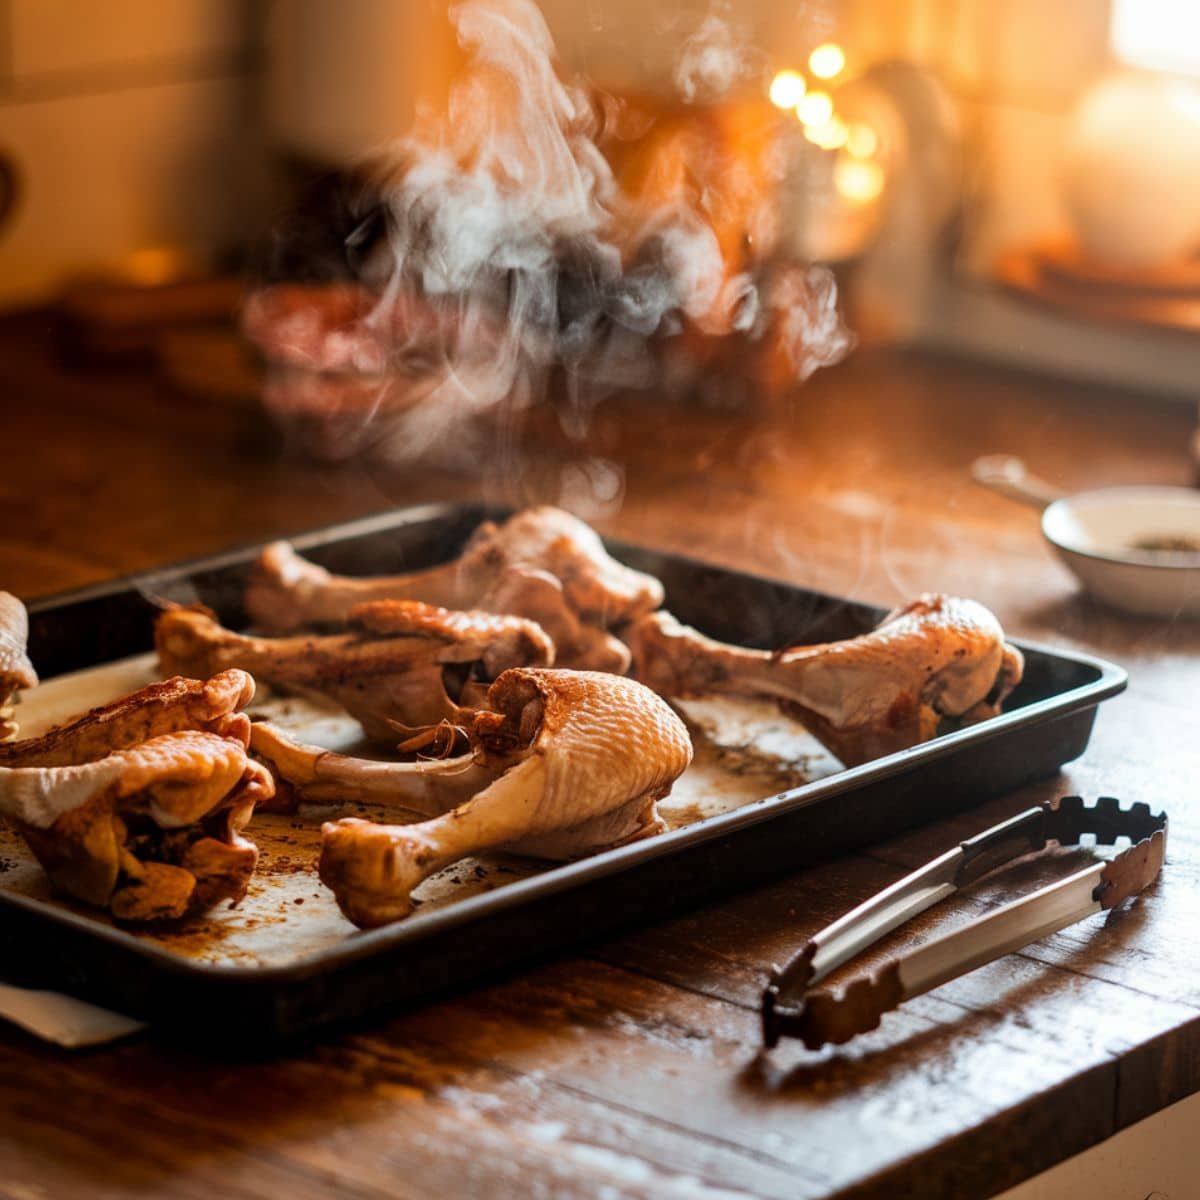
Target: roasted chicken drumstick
(287,593)
(937,659)
(395,668)
(587,757)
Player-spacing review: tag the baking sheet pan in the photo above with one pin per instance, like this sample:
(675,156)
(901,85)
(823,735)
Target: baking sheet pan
(763,799)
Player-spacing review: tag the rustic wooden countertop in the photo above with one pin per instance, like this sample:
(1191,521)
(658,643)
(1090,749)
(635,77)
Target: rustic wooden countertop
(633,1068)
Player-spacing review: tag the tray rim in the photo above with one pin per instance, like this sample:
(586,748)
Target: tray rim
(1110,680)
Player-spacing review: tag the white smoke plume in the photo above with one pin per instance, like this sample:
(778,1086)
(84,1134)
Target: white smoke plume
(711,63)
(513,264)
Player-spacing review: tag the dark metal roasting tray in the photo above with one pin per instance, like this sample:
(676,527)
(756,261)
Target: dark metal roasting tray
(1047,723)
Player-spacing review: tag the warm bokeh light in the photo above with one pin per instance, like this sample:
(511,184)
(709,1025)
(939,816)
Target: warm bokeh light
(815,109)
(827,60)
(862,141)
(830,136)
(787,89)
(859,182)
(151,266)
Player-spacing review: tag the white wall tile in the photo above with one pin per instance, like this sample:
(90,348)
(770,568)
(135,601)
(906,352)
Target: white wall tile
(107,174)
(49,36)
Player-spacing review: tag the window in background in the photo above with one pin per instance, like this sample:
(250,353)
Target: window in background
(1163,35)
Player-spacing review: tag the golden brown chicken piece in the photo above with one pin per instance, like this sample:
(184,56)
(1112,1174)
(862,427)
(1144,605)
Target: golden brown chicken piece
(16,671)
(287,593)
(587,757)
(937,660)
(168,707)
(151,832)
(403,664)
(539,596)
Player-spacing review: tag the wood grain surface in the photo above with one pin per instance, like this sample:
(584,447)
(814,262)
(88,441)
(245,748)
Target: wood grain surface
(634,1069)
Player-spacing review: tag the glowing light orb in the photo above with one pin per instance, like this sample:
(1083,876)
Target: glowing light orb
(827,60)
(787,89)
(815,109)
(862,141)
(857,181)
(830,136)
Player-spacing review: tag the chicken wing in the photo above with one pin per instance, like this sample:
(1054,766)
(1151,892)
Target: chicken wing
(404,664)
(287,593)
(168,707)
(587,757)
(151,832)
(16,671)
(937,660)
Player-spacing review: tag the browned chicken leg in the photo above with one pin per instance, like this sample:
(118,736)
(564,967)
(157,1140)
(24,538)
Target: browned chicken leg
(588,756)
(287,593)
(151,832)
(16,671)
(394,669)
(937,659)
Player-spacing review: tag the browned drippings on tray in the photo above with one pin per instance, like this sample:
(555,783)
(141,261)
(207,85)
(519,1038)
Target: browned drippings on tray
(745,751)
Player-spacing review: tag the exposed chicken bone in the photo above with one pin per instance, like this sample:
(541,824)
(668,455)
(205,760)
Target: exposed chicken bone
(424,788)
(388,672)
(937,659)
(287,593)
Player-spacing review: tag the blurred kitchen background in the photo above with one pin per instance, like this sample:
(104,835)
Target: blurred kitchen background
(1017,180)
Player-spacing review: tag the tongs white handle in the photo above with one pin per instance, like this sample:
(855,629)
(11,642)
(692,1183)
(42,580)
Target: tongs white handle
(824,1016)
(889,909)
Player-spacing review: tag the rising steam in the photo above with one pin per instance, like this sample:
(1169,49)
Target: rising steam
(508,257)
(712,61)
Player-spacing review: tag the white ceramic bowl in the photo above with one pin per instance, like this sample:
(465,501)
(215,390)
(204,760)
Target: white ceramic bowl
(1097,534)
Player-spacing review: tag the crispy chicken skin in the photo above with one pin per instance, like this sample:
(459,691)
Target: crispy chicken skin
(16,671)
(287,593)
(587,756)
(168,707)
(151,832)
(389,670)
(937,659)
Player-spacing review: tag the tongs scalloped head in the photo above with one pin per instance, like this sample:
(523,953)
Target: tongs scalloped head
(824,1016)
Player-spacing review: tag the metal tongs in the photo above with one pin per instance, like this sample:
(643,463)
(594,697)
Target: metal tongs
(819,1016)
